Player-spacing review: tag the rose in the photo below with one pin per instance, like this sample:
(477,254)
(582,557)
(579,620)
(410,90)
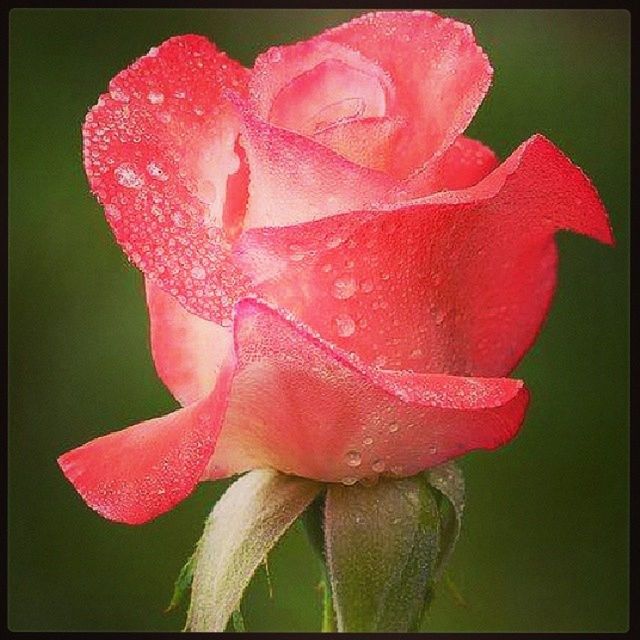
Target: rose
(337,280)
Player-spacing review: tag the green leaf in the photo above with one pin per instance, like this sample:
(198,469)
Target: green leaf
(449,481)
(182,584)
(243,527)
(238,621)
(382,543)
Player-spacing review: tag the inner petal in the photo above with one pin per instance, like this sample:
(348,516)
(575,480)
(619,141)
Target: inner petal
(332,92)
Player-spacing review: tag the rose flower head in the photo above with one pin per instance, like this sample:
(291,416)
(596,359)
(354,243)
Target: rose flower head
(338,281)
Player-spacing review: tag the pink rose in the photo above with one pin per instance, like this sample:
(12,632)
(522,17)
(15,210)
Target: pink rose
(338,280)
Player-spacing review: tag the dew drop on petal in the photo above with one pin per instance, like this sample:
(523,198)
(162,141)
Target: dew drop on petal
(366,286)
(112,212)
(345,325)
(127,176)
(393,427)
(157,172)
(118,94)
(380,361)
(155,97)
(378,466)
(367,441)
(198,273)
(343,287)
(349,480)
(354,458)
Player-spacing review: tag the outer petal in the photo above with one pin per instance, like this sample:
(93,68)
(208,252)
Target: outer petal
(302,406)
(138,473)
(188,351)
(439,74)
(159,149)
(456,283)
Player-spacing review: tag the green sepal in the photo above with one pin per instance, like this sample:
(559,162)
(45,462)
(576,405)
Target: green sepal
(237,620)
(243,527)
(382,545)
(182,584)
(449,481)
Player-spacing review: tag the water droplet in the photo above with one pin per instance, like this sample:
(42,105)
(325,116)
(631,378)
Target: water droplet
(112,212)
(433,449)
(380,361)
(366,286)
(345,325)
(367,441)
(378,466)
(119,95)
(349,480)
(157,172)
(396,469)
(178,219)
(155,97)
(297,253)
(127,176)
(327,267)
(334,242)
(344,287)
(354,458)
(198,273)
(393,427)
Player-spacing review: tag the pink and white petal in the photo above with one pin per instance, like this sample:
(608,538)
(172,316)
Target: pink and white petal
(439,73)
(139,473)
(458,282)
(465,163)
(310,84)
(158,151)
(295,179)
(187,350)
(302,406)
(369,142)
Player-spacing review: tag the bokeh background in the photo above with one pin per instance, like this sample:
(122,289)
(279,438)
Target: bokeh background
(545,539)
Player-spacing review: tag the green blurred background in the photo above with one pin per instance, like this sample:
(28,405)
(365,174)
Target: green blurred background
(545,539)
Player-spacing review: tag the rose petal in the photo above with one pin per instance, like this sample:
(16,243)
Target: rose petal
(188,351)
(302,406)
(368,142)
(460,166)
(138,473)
(158,152)
(455,283)
(296,179)
(439,73)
